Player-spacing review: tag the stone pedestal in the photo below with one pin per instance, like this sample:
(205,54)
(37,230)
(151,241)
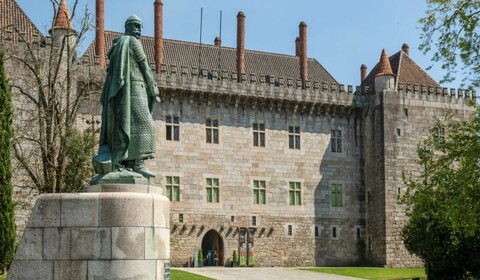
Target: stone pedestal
(110,232)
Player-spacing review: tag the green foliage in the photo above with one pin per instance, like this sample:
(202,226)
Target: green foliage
(377,273)
(450,29)
(443,203)
(200,256)
(7,207)
(79,151)
(234,256)
(176,274)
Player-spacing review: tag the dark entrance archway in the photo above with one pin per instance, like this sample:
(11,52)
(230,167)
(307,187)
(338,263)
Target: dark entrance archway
(212,244)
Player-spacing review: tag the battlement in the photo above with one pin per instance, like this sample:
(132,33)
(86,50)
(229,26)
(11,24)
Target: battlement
(268,80)
(427,90)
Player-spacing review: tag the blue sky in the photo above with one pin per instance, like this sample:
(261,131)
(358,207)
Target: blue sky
(342,34)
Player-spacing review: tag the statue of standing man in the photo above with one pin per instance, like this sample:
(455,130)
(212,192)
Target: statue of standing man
(127,136)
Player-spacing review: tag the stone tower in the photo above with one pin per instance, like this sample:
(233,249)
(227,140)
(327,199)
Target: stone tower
(62,32)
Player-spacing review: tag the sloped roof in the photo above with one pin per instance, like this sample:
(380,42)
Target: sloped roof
(62,19)
(384,68)
(181,53)
(11,15)
(406,71)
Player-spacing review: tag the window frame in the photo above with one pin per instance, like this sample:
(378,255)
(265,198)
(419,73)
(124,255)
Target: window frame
(336,143)
(212,131)
(259,192)
(258,134)
(336,195)
(172,126)
(172,188)
(294,137)
(294,193)
(212,186)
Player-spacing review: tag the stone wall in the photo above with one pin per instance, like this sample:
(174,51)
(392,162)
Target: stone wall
(236,163)
(397,124)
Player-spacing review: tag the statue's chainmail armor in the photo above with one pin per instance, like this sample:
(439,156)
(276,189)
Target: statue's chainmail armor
(142,134)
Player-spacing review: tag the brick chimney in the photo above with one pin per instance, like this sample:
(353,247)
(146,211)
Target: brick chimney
(303,53)
(100,32)
(363,73)
(240,45)
(218,42)
(297,46)
(158,5)
(406,49)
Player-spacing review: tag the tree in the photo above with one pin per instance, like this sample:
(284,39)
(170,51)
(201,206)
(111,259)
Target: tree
(49,97)
(450,29)
(7,207)
(443,203)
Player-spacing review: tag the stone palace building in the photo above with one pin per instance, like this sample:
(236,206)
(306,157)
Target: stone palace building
(268,154)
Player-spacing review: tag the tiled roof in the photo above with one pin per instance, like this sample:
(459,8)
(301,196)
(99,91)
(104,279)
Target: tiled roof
(181,53)
(406,71)
(62,20)
(11,15)
(384,68)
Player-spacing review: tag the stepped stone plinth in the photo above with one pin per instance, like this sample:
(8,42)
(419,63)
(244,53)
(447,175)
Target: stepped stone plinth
(108,232)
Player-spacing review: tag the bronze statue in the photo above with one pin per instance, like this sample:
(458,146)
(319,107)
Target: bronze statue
(127,135)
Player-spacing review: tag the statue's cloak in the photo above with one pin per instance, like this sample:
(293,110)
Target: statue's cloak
(116,99)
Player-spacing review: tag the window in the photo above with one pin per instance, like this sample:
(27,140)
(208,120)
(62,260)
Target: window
(254,220)
(232,219)
(289,230)
(405,112)
(259,135)
(173,188)
(316,231)
(173,128)
(334,232)
(294,137)
(212,131)
(213,190)
(336,195)
(295,193)
(180,218)
(358,233)
(259,192)
(336,141)
(399,132)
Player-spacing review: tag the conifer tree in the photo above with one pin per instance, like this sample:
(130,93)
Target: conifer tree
(7,209)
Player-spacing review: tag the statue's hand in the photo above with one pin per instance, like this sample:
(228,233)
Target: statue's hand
(158,98)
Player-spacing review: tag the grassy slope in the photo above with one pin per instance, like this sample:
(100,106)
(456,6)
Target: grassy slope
(182,275)
(373,272)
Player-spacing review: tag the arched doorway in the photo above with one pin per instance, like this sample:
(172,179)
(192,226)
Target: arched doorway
(212,244)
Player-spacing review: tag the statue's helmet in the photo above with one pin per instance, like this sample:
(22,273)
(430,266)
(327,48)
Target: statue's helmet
(133,19)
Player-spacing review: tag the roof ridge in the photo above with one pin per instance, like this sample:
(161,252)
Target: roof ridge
(400,60)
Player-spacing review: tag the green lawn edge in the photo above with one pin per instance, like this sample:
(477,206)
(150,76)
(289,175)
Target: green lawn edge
(183,275)
(373,273)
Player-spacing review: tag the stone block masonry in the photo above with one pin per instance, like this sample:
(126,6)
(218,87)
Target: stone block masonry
(96,235)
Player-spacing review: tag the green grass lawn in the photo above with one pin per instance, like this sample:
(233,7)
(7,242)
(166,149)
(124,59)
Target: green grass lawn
(373,272)
(2,277)
(182,275)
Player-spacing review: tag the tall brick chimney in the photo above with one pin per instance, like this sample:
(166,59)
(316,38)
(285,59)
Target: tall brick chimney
(406,49)
(218,42)
(297,46)
(303,53)
(363,73)
(240,45)
(158,34)
(100,32)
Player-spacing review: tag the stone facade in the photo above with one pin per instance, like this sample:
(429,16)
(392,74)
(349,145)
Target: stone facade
(325,204)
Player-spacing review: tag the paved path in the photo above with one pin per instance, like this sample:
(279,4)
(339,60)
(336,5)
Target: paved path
(262,273)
